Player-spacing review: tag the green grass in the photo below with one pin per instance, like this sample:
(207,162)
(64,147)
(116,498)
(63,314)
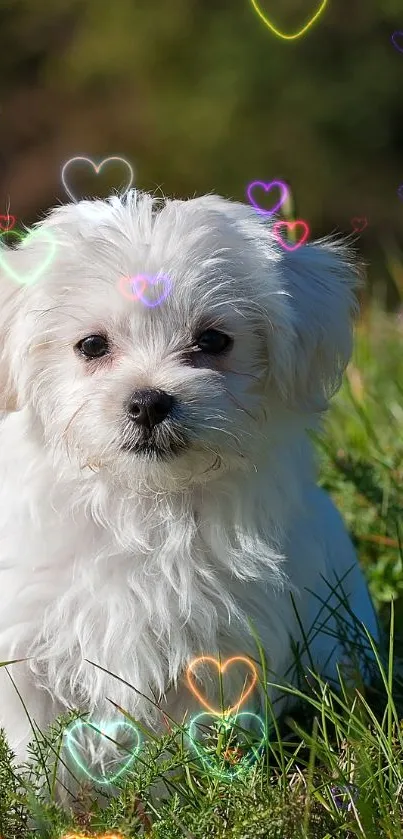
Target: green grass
(335,767)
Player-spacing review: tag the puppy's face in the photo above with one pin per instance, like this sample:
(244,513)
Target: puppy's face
(187,387)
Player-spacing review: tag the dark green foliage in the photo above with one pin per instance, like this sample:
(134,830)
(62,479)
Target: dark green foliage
(13,810)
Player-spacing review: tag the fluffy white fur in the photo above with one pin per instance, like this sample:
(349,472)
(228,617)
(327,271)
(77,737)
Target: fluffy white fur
(141,565)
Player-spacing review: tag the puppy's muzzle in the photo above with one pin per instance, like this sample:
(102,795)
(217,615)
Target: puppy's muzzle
(156,432)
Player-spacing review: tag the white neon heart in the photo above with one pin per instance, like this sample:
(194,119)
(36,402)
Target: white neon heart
(97,168)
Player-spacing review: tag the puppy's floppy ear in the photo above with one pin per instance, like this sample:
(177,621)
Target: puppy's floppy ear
(321,284)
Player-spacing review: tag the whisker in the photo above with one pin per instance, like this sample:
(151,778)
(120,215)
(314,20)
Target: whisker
(65,309)
(64,437)
(74,416)
(224,431)
(241,407)
(249,375)
(44,344)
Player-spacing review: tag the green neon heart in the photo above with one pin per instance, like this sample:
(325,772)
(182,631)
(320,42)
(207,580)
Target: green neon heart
(33,275)
(104,728)
(214,765)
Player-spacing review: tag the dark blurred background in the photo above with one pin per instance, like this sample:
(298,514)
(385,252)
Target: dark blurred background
(200,96)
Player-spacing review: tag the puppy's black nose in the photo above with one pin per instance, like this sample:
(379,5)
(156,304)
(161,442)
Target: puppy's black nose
(149,407)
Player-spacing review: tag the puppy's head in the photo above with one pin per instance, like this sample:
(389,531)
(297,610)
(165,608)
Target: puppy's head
(165,341)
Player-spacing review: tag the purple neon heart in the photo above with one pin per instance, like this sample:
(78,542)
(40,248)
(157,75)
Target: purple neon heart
(393,39)
(267,188)
(151,281)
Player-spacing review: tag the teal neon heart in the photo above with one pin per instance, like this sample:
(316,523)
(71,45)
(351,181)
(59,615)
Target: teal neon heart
(109,729)
(214,762)
(29,278)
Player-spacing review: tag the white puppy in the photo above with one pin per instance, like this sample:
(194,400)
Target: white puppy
(157,483)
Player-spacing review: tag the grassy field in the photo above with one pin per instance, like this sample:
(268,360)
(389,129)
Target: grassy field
(336,768)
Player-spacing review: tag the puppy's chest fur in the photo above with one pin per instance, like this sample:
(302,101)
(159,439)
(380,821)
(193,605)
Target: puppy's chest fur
(137,590)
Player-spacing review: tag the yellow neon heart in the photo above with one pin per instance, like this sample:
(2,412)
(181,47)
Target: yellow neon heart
(281,34)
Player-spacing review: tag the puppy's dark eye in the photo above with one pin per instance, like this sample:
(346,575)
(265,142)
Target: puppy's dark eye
(213,342)
(94,346)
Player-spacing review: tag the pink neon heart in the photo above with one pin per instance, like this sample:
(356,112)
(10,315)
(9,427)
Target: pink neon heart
(290,226)
(267,188)
(144,281)
(125,286)
(359,224)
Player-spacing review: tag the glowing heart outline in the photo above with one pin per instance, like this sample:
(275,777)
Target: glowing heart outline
(359,228)
(8,228)
(267,187)
(290,225)
(145,280)
(396,46)
(97,836)
(221,668)
(246,761)
(97,168)
(105,729)
(33,275)
(129,294)
(296,34)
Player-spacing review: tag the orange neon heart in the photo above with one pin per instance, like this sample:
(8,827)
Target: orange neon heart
(98,836)
(221,668)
